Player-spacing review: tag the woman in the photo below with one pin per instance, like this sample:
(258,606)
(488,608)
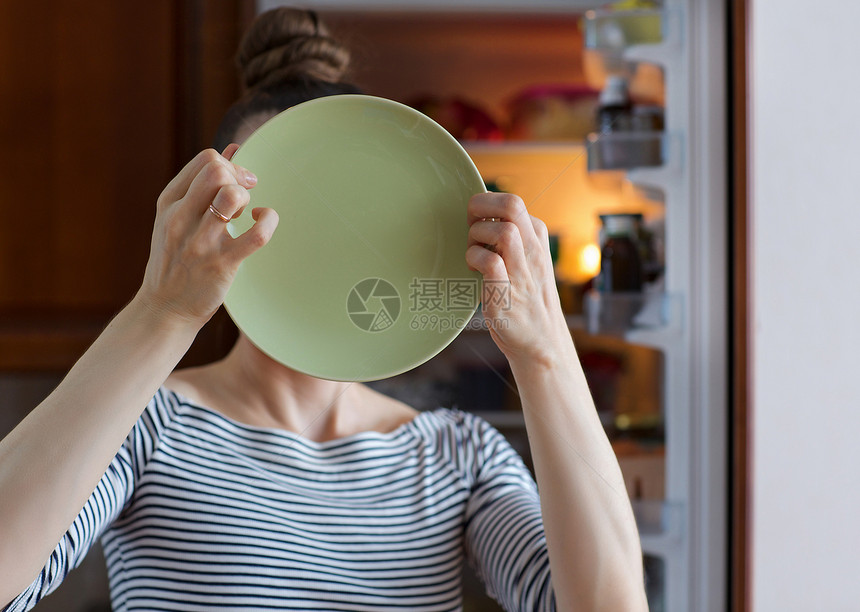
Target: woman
(246,484)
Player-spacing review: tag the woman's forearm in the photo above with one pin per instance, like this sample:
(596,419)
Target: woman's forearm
(591,535)
(51,462)
(594,550)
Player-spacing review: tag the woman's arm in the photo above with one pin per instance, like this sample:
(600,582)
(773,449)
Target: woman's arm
(592,540)
(51,462)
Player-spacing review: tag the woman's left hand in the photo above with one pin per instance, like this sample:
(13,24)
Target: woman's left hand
(520,302)
(590,529)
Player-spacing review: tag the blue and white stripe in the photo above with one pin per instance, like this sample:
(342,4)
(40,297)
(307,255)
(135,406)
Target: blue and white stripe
(198,512)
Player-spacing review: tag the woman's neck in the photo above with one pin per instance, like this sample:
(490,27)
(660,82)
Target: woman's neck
(250,387)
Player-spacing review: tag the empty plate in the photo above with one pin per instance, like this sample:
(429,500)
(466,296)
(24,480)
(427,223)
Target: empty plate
(365,277)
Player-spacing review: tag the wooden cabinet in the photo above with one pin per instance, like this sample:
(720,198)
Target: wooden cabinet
(100,104)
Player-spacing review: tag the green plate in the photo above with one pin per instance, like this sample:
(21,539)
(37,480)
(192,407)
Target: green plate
(365,277)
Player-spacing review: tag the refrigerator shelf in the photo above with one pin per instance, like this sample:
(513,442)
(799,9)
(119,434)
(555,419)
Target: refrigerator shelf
(523,147)
(636,316)
(657,517)
(628,150)
(660,524)
(611,30)
(664,175)
(640,35)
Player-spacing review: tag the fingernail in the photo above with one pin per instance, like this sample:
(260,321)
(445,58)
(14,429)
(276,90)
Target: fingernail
(250,178)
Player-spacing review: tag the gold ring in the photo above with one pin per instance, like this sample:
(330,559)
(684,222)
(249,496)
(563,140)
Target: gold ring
(218,213)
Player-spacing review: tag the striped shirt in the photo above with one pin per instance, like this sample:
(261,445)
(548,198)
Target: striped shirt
(199,512)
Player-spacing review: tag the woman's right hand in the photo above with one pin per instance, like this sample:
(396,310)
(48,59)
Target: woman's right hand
(193,258)
(52,461)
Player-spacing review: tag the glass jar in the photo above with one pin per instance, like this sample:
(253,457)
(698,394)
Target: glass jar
(620,261)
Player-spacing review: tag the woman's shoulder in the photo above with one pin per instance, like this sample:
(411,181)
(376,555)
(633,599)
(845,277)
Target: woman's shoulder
(457,431)
(161,410)
(469,444)
(455,419)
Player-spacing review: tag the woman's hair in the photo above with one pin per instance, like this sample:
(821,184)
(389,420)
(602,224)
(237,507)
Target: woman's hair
(286,57)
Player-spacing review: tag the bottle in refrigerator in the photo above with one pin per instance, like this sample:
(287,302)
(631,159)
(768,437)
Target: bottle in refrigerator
(615,109)
(620,260)
(614,116)
(619,282)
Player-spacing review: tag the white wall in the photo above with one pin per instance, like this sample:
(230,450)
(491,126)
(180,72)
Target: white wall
(805,246)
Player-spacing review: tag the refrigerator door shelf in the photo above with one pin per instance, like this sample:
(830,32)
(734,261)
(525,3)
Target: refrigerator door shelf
(658,517)
(629,314)
(632,150)
(661,525)
(641,35)
(610,30)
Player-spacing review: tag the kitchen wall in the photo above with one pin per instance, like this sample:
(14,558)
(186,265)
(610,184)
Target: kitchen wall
(805,290)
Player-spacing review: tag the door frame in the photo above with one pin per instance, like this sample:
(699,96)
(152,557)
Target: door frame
(740,484)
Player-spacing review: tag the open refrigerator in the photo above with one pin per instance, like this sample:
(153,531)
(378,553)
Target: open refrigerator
(659,370)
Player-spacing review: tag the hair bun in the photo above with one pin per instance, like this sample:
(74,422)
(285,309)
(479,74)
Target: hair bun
(287,44)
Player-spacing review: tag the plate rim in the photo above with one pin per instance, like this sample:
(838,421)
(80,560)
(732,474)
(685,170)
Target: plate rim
(468,315)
